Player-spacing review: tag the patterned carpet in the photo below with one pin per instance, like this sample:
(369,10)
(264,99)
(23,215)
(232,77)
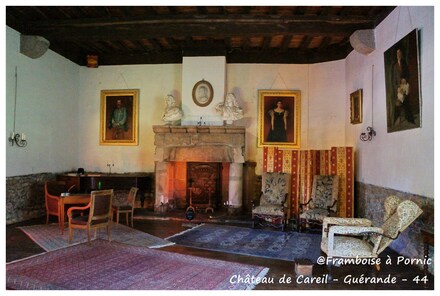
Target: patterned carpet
(48,236)
(253,242)
(107,265)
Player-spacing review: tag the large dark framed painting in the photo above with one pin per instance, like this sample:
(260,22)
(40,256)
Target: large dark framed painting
(279,117)
(402,81)
(119,117)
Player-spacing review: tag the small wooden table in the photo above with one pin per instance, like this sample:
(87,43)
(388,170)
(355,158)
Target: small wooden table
(71,199)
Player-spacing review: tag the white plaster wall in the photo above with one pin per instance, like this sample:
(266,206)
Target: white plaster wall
(154,83)
(46,110)
(401,160)
(194,69)
(326,107)
(322,89)
(244,80)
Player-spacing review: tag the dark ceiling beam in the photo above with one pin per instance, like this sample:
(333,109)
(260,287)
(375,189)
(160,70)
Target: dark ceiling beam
(74,55)
(39,12)
(172,43)
(169,57)
(381,16)
(142,46)
(269,56)
(155,44)
(201,9)
(181,25)
(325,41)
(325,10)
(305,42)
(246,43)
(291,56)
(266,43)
(64,11)
(286,42)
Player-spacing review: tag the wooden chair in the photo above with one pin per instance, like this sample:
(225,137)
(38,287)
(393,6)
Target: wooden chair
(100,214)
(323,202)
(127,208)
(274,201)
(52,195)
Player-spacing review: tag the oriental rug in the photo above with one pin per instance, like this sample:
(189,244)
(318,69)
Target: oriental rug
(104,265)
(49,237)
(253,242)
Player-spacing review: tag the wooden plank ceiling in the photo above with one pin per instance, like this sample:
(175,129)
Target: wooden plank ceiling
(164,34)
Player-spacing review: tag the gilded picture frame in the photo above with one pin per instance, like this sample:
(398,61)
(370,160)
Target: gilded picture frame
(279,118)
(119,117)
(356,107)
(202,93)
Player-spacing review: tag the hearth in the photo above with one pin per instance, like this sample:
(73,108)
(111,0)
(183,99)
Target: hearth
(191,156)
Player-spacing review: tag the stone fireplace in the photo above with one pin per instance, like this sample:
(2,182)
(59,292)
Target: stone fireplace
(178,147)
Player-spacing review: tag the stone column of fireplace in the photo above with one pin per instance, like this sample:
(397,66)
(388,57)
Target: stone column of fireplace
(224,144)
(235,188)
(162,170)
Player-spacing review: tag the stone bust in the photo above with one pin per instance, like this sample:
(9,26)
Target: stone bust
(229,109)
(173,114)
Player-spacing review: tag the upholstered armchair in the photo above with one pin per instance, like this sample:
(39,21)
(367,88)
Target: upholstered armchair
(128,207)
(100,214)
(52,195)
(322,203)
(357,238)
(274,201)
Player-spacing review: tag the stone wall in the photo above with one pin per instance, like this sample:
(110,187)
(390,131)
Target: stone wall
(369,204)
(25,197)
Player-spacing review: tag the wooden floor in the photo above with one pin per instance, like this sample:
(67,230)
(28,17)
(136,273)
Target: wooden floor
(19,246)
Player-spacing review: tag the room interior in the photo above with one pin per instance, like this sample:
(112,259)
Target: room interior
(55,106)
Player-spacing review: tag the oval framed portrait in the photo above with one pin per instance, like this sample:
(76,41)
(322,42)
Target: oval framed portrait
(202,93)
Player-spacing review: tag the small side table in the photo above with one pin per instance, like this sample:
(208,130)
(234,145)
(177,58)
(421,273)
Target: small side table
(428,240)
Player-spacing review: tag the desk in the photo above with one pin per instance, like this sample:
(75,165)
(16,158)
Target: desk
(71,199)
(89,182)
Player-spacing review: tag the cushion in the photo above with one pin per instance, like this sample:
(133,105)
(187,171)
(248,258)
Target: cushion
(314,214)
(346,246)
(269,210)
(323,191)
(275,188)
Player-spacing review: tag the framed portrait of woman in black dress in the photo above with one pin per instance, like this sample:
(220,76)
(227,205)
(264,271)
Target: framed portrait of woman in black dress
(279,118)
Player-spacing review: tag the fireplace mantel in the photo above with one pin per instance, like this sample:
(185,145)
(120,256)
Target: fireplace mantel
(200,143)
(183,144)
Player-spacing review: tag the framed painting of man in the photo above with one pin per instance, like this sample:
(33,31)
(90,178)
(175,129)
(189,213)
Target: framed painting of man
(279,117)
(119,117)
(402,82)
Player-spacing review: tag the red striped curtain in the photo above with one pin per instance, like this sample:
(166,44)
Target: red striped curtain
(304,164)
